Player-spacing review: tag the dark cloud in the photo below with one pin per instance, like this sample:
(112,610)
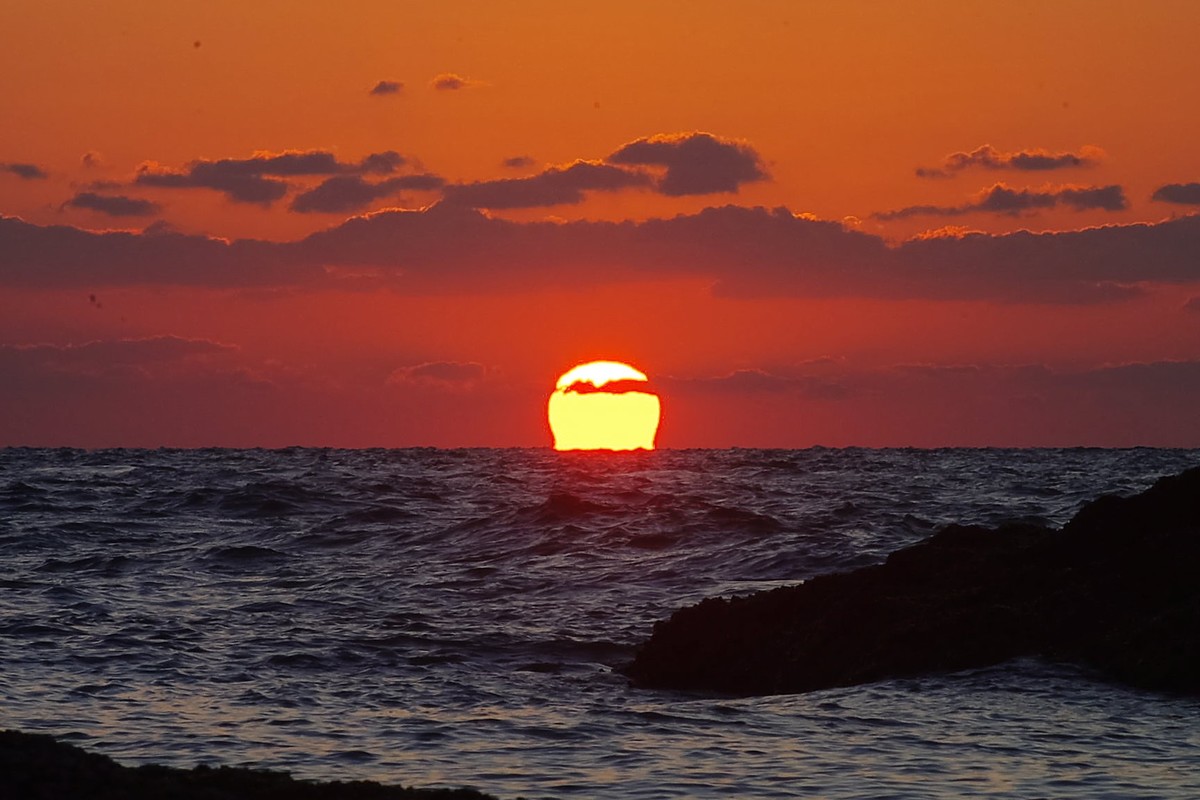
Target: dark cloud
(90,159)
(160,227)
(237,187)
(1182,193)
(745,252)
(1001,199)
(675,165)
(349,193)
(696,163)
(1107,198)
(554,186)
(449,82)
(421,182)
(612,387)
(384,163)
(341,193)
(988,157)
(1192,305)
(27,172)
(441,374)
(257,179)
(113,205)
(517,162)
(312,162)
(692,163)
(386,88)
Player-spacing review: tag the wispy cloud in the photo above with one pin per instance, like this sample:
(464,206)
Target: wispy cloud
(452,82)
(105,357)
(259,179)
(113,205)
(551,187)
(1035,160)
(1001,199)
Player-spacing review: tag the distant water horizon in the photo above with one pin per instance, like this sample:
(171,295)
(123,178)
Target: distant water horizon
(548,448)
(457,616)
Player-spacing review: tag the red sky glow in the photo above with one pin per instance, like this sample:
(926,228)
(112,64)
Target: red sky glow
(387,224)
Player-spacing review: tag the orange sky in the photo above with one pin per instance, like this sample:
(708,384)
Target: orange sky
(748,224)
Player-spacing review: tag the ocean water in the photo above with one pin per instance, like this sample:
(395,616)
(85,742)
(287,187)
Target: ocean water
(456,617)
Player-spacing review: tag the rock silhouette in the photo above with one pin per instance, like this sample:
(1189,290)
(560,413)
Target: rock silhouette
(36,767)
(1117,590)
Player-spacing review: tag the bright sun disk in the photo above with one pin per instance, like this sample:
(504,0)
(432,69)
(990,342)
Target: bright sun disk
(585,415)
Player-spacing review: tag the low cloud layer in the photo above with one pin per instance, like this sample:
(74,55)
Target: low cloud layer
(1001,199)
(259,179)
(748,252)
(988,157)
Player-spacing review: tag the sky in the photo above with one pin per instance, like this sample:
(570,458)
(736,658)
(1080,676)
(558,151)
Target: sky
(380,223)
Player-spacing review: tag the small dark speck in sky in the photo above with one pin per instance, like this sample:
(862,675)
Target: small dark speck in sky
(196,43)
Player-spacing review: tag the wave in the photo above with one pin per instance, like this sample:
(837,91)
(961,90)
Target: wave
(331,601)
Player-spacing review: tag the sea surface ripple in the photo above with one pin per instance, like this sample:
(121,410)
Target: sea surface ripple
(455,617)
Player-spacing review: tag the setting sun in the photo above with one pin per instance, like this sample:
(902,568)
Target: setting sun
(603,405)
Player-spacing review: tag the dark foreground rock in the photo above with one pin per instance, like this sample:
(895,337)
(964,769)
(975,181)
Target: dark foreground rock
(1117,590)
(36,767)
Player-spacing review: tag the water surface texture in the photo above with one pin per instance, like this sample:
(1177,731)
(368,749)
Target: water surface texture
(455,617)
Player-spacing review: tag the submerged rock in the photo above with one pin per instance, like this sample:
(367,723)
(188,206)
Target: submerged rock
(1117,589)
(36,767)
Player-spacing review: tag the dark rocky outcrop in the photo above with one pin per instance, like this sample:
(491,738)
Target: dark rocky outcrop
(36,767)
(1117,590)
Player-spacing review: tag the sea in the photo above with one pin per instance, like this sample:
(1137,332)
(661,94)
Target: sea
(459,618)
